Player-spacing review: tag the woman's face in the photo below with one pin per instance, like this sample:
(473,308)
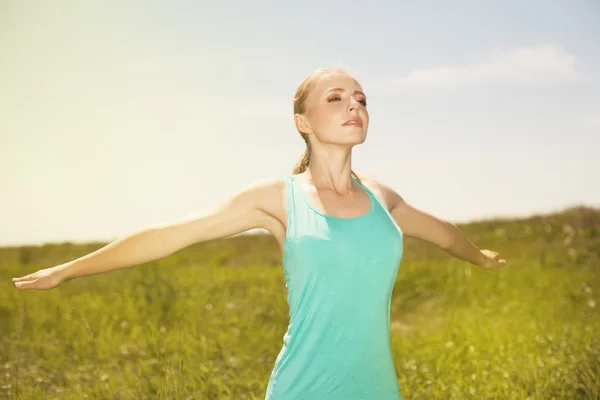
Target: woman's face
(336,111)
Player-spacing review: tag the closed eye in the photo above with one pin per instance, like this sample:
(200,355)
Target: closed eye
(363,102)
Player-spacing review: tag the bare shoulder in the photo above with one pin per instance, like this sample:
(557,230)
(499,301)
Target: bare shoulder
(258,205)
(265,186)
(413,221)
(388,195)
(268,195)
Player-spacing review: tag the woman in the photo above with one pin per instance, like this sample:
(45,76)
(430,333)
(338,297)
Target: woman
(341,240)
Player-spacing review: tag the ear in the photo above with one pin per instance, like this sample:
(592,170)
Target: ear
(302,124)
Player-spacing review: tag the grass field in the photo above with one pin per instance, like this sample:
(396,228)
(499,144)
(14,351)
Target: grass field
(208,321)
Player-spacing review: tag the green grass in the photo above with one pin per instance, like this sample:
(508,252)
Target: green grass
(208,322)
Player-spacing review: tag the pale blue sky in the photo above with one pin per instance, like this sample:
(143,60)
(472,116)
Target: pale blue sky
(115,116)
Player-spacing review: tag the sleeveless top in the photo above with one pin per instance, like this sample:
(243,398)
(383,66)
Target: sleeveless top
(339,275)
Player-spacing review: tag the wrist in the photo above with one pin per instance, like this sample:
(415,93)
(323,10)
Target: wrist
(482,259)
(62,272)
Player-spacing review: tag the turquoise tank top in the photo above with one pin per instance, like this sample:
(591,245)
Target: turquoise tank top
(339,275)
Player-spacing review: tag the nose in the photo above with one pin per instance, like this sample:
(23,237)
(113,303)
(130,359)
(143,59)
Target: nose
(354,104)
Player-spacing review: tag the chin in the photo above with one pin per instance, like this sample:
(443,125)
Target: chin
(362,136)
(357,139)
(362,140)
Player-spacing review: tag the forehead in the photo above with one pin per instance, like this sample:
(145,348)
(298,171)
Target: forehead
(336,80)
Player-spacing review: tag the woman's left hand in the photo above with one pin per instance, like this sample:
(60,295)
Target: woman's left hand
(491,260)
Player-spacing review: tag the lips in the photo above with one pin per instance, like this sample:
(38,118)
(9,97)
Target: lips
(355,121)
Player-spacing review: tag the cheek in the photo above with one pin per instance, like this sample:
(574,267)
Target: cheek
(325,115)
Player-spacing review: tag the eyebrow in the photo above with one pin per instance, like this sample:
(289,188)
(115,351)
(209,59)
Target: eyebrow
(342,90)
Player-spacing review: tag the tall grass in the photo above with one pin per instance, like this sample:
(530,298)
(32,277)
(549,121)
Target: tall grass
(208,322)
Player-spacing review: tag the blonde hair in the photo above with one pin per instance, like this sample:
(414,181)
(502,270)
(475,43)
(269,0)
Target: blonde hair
(300,108)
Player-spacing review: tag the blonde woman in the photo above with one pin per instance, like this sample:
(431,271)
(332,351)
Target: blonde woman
(342,242)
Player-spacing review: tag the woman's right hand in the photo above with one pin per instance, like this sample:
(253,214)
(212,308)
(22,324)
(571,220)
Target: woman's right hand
(43,279)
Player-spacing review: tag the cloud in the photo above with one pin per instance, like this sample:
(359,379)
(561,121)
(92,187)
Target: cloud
(544,64)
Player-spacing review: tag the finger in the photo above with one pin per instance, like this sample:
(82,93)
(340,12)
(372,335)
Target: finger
(22,278)
(25,284)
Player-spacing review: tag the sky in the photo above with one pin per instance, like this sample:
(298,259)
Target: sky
(120,115)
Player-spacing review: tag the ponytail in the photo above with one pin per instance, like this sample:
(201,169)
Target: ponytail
(302,164)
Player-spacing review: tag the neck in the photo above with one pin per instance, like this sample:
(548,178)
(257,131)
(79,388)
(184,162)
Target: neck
(331,169)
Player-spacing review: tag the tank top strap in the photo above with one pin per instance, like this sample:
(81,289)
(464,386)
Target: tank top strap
(291,197)
(374,199)
(381,205)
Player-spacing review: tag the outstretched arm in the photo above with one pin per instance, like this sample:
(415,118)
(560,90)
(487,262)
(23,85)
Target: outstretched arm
(422,225)
(242,212)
